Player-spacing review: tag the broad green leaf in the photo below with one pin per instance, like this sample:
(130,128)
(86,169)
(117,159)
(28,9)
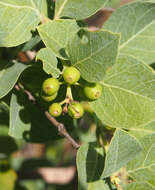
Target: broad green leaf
(129,101)
(49,62)
(138,186)
(38,184)
(143,132)
(9,74)
(8,179)
(90,163)
(78,9)
(93,53)
(133,75)
(98,185)
(113,3)
(136,23)
(17,123)
(142,168)
(17,20)
(122,149)
(55,34)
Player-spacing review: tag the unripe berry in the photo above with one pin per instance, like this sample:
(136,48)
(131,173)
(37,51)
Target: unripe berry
(50,86)
(55,109)
(71,75)
(93,91)
(49,98)
(75,110)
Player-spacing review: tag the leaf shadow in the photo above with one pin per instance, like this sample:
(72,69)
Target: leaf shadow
(7,145)
(5,65)
(94,163)
(63,53)
(39,127)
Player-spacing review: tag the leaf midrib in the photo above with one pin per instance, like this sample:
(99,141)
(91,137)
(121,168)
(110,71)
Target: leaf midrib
(93,54)
(134,36)
(61,9)
(126,90)
(139,168)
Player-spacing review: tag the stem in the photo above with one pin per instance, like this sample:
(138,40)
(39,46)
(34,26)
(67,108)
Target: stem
(69,93)
(61,83)
(63,102)
(60,126)
(78,84)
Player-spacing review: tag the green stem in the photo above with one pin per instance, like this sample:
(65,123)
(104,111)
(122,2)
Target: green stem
(69,93)
(78,84)
(63,102)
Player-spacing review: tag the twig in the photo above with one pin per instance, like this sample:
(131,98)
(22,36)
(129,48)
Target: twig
(60,126)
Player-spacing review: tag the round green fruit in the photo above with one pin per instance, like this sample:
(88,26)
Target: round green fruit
(55,110)
(75,110)
(49,98)
(50,86)
(71,75)
(93,91)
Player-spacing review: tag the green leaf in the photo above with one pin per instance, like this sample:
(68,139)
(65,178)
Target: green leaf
(90,163)
(32,184)
(122,149)
(98,185)
(17,124)
(49,62)
(55,34)
(136,23)
(77,9)
(21,17)
(113,3)
(128,99)
(138,186)
(142,168)
(9,74)
(93,53)
(133,75)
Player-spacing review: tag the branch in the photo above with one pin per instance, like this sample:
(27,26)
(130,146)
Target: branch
(60,126)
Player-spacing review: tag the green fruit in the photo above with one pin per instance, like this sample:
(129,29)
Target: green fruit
(50,86)
(75,110)
(55,109)
(93,91)
(49,98)
(71,75)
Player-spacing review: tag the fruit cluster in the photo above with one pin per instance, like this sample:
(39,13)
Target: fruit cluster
(75,109)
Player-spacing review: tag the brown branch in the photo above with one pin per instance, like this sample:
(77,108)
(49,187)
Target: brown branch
(60,126)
